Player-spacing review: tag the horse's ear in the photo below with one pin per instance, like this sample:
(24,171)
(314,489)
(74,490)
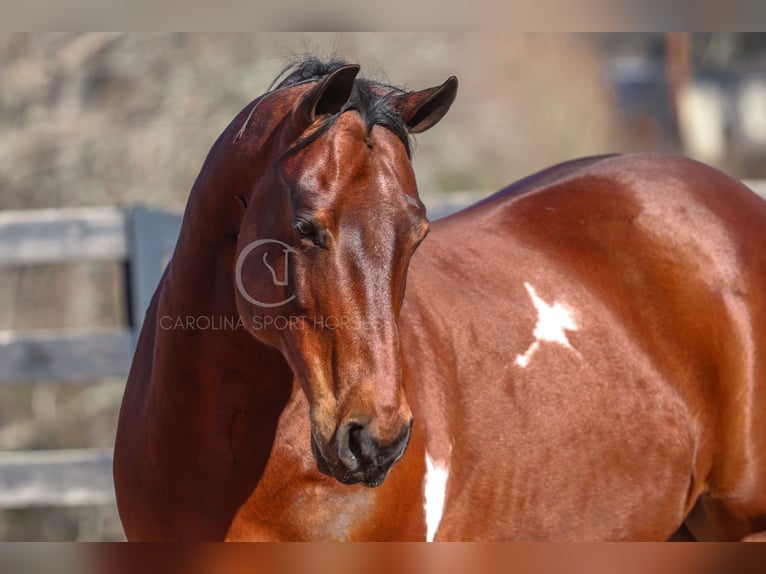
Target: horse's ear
(422,109)
(329,95)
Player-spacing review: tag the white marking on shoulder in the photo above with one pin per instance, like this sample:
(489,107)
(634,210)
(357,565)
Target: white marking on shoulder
(435,490)
(552,323)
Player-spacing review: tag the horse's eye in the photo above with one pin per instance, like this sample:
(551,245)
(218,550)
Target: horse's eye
(304,227)
(308,231)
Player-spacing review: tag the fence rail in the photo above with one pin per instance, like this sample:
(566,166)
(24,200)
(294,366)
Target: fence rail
(62,235)
(757,185)
(55,357)
(56,478)
(143,239)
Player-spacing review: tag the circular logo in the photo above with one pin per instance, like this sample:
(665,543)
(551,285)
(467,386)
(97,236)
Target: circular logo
(272,273)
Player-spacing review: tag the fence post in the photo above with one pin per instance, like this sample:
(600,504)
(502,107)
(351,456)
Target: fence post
(152,235)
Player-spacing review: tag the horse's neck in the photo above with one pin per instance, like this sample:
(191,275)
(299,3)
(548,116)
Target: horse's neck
(198,289)
(203,260)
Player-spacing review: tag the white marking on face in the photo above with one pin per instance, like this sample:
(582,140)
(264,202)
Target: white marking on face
(552,323)
(435,490)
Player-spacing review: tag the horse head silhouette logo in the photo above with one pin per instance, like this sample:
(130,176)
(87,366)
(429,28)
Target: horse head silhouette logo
(274,275)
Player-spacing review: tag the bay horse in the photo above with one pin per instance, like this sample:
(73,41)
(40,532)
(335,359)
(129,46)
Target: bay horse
(578,357)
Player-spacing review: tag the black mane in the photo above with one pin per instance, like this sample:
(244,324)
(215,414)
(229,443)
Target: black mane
(369,99)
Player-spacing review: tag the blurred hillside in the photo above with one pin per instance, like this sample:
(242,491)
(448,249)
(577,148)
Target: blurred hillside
(109,118)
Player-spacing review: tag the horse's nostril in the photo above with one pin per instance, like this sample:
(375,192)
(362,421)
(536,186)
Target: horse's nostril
(349,444)
(355,440)
(358,447)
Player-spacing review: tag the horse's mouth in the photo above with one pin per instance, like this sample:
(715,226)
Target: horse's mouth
(344,475)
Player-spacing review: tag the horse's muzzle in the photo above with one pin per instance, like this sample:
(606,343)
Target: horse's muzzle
(360,457)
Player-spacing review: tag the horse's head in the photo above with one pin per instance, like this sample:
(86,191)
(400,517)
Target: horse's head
(323,253)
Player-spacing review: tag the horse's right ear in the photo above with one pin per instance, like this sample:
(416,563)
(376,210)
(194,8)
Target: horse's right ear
(329,95)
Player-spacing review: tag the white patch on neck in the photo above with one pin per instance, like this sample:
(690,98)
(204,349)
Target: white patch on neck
(435,490)
(552,322)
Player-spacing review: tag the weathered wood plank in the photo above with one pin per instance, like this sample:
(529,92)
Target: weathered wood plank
(438,206)
(56,478)
(62,235)
(757,185)
(62,356)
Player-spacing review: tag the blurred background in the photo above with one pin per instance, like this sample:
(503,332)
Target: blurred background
(119,120)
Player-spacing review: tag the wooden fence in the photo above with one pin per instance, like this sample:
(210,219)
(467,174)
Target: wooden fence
(141,238)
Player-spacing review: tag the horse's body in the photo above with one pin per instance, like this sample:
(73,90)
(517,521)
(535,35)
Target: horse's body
(583,355)
(643,396)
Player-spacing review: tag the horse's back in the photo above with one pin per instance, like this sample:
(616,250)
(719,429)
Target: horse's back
(631,353)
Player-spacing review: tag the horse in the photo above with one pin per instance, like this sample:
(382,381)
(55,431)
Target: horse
(578,357)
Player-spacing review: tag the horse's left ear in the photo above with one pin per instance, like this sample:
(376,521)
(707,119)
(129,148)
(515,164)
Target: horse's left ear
(423,109)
